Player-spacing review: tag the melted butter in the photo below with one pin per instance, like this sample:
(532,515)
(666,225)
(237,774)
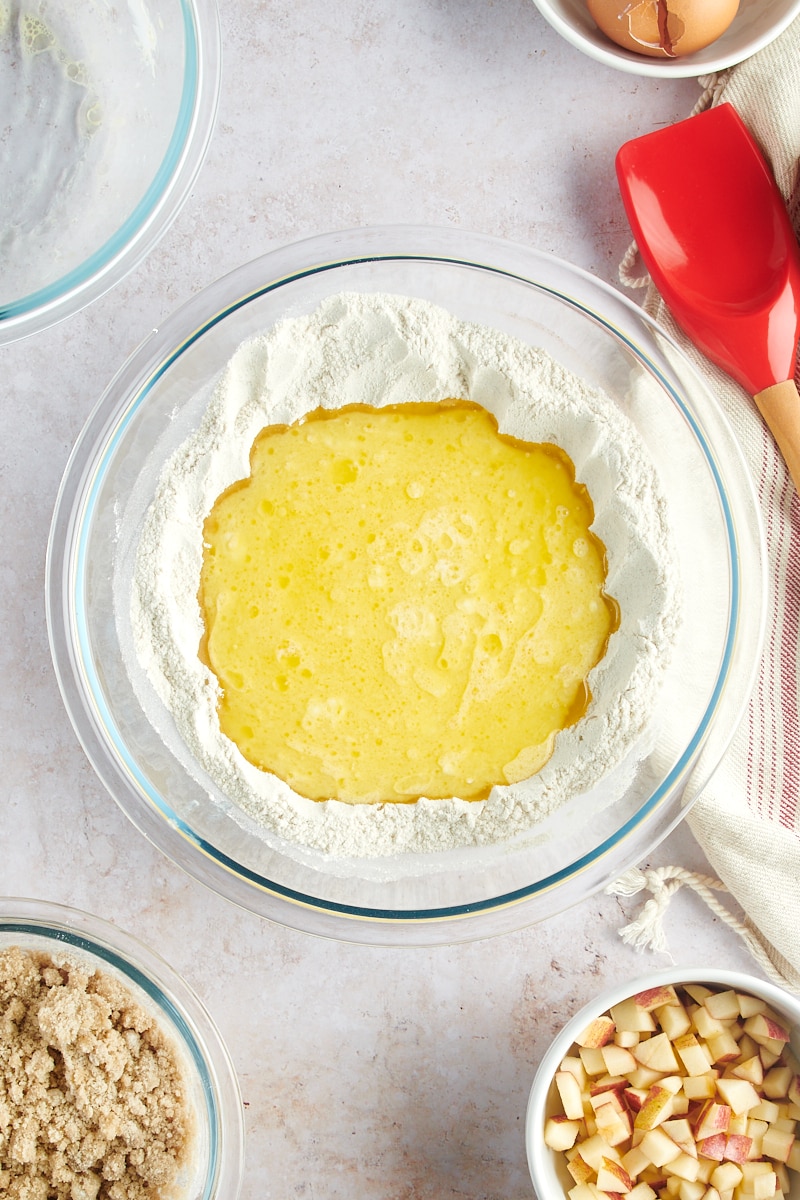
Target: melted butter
(402,602)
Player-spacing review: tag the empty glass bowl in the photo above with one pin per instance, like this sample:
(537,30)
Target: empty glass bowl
(107,113)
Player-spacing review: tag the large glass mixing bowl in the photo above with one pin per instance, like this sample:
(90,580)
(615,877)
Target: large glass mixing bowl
(107,111)
(157,399)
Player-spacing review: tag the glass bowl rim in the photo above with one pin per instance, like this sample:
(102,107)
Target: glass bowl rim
(134,381)
(166,193)
(74,929)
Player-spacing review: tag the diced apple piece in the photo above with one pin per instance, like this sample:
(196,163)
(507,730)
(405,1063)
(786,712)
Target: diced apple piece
(706,1025)
(626,1037)
(691,1189)
(581,1191)
(764,1028)
(706,1167)
(723,1005)
(738,1093)
(629,1016)
(635,1161)
(713,1146)
(606,1096)
(593,1061)
(679,1129)
(657,1054)
(685,1166)
(755,1131)
(574,1065)
(777,1082)
(701,1087)
(634,1098)
(570,1094)
(723,1047)
(612,1125)
(692,1054)
(612,1177)
(659,1147)
(752,1169)
(770,1052)
(765,1110)
(595,1149)
(738,1123)
(674,1020)
(642,1191)
(784,1180)
(657,1108)
(712,1118)
(777,1144)
(793,1160)
(618,1060)
(560,1133)
(726,1175)
(580,1170)
(644,1078)
(607,1083)
(656,997)
(737,1148)
(698,991)
(765,1186)
(598,1032)
(750,1005)
(750,1068)
(673,1083)
(711,1193)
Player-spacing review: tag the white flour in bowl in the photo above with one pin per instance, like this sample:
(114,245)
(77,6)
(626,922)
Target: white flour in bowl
(379,350)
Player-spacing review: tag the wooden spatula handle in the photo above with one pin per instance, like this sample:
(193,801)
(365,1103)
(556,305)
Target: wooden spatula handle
(779,405)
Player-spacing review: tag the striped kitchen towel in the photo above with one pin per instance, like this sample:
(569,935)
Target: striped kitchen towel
(747,820)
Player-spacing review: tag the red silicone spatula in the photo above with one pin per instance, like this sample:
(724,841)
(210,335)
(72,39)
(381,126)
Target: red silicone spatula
(713,231)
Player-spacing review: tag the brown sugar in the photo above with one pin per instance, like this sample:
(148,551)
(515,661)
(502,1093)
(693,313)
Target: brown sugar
(93,1102)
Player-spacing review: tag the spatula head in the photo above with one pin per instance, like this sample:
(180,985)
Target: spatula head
(713,232)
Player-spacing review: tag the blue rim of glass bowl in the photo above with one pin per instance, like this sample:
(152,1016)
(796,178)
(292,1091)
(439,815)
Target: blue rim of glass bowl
(336,908)
(51,931)
(122,248)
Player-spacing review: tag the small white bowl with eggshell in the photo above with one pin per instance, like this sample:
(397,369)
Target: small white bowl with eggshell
(683,1083)
(663,38)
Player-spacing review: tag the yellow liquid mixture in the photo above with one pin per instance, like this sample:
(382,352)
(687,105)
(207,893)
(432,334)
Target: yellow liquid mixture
(402,602)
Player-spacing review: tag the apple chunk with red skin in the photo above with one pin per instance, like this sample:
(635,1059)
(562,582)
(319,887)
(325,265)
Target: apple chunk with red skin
(599,1032)
(656,997)
(712,1118)
(763,1027)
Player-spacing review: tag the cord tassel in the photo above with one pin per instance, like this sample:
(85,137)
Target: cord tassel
(646,932)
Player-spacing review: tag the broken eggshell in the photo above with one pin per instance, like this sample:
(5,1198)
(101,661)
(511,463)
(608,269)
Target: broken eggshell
(663,28)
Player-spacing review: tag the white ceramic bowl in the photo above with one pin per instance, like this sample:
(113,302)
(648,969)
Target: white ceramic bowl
(547,1167)
(157,400)
(107,113)
(215,1170)
(756,24)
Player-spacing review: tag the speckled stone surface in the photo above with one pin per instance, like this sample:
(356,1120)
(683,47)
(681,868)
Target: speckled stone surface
(365,1073)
